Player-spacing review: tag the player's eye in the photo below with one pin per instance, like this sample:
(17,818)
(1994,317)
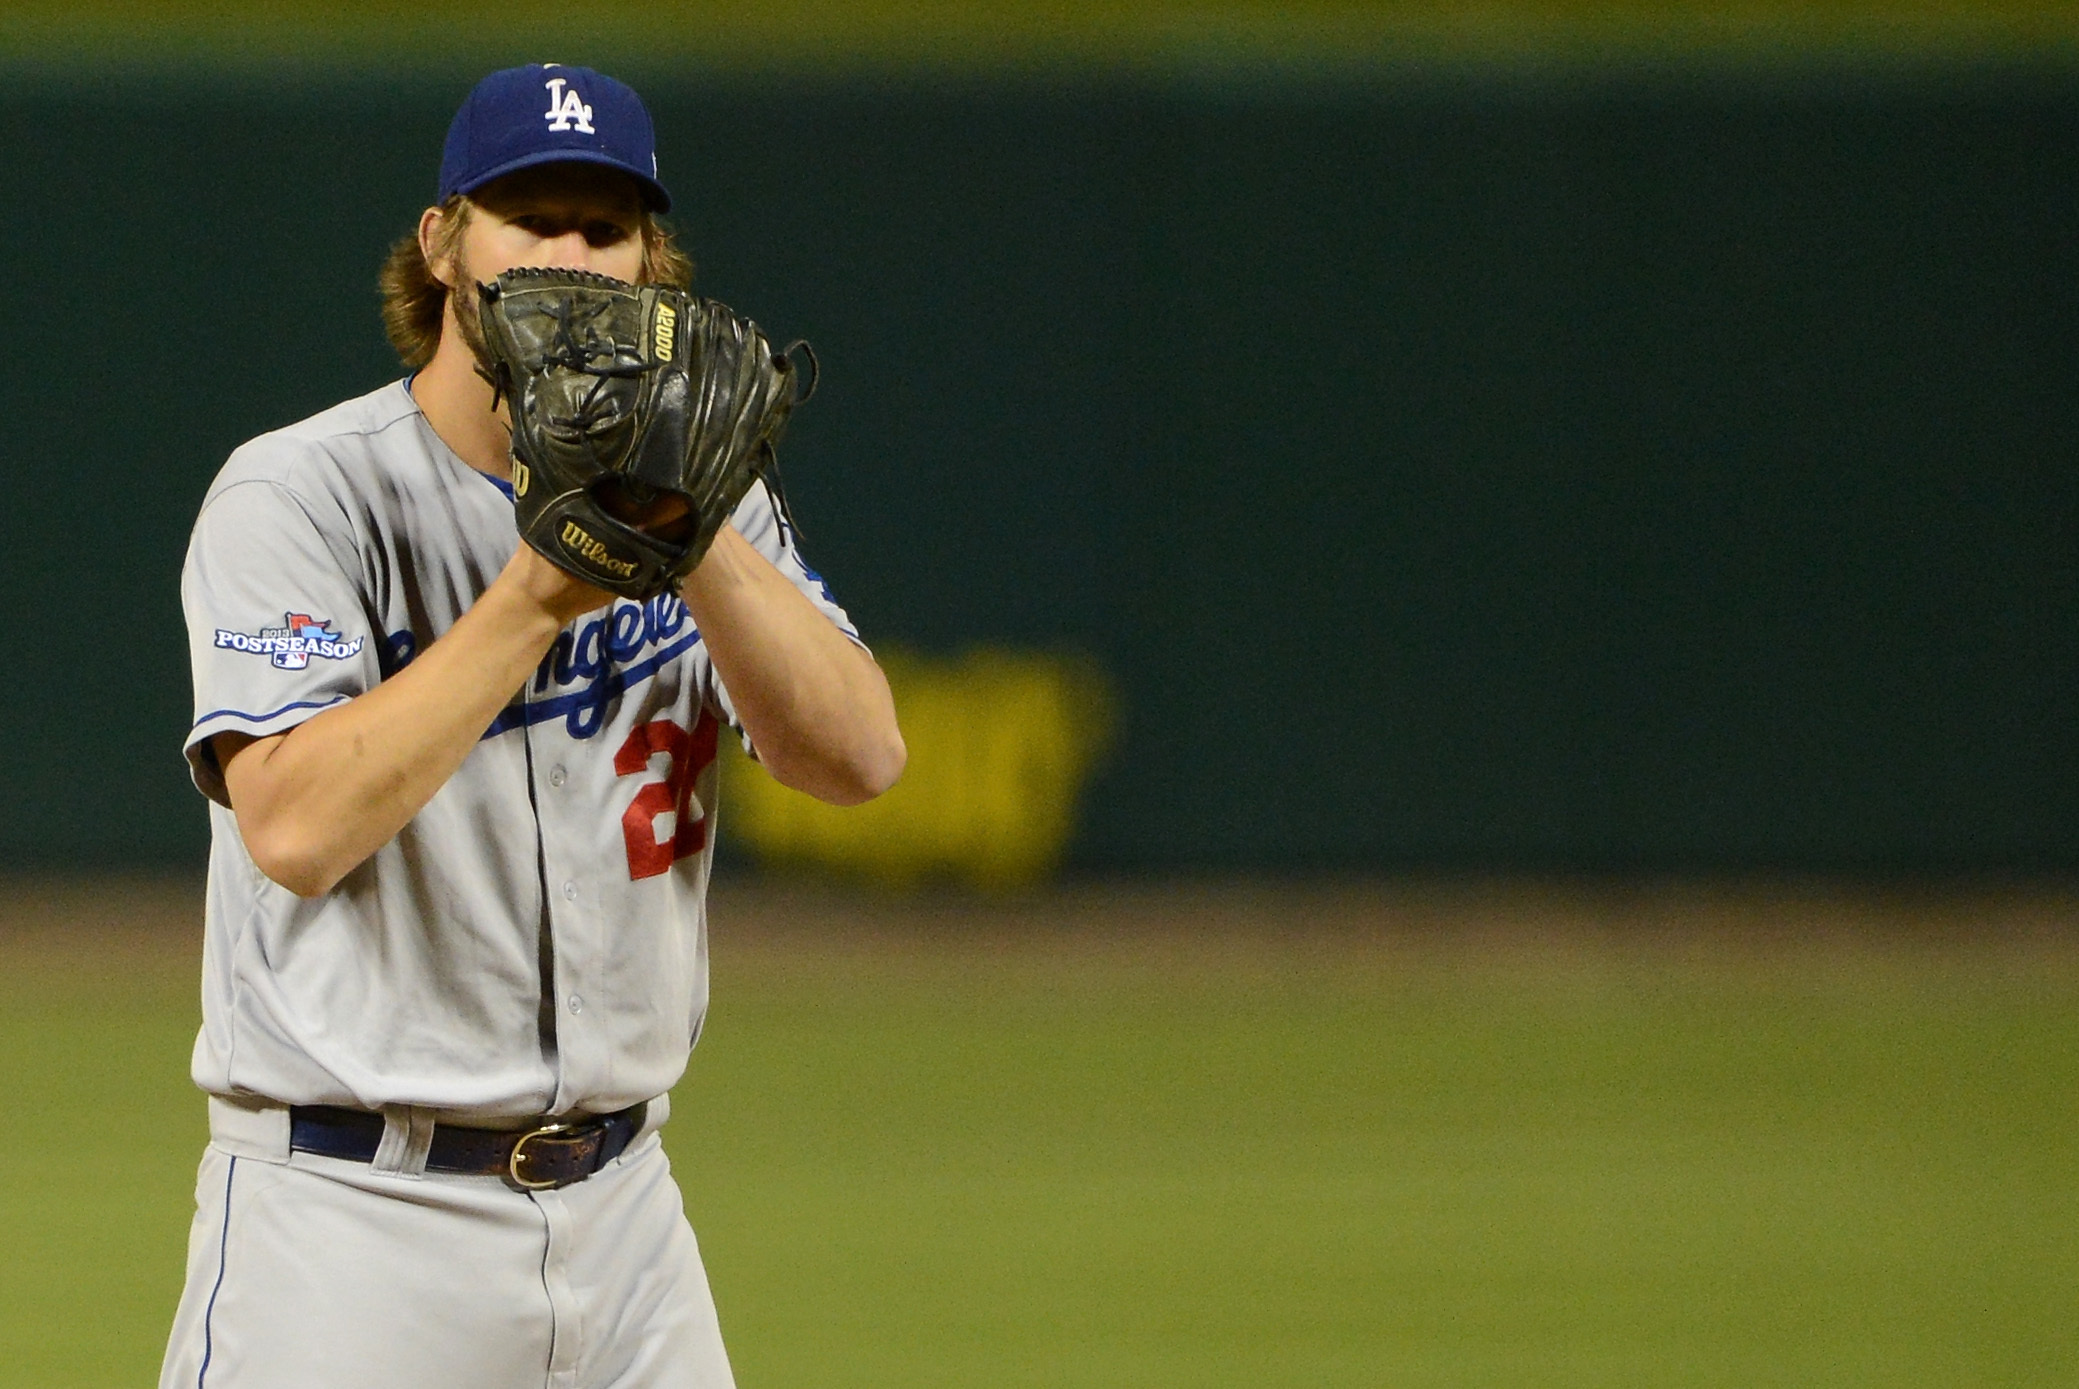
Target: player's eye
(603,234)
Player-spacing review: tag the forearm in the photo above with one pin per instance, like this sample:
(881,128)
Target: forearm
(314,803)
(816,706)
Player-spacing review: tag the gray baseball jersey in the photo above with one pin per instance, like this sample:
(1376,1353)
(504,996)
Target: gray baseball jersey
(534,940)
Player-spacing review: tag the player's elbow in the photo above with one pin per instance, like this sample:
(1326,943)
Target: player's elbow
(853,775)
(294,860)
(304,875)
(876,768)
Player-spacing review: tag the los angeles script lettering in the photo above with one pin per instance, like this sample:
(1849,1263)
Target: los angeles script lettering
(589,666)
(617,636)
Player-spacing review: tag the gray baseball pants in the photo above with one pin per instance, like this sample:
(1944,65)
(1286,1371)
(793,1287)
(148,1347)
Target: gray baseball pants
(322,1273)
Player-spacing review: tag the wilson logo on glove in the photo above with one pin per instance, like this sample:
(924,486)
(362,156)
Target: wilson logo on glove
(587,547)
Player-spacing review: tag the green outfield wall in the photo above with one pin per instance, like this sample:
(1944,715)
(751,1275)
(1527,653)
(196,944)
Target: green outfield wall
(1665,466)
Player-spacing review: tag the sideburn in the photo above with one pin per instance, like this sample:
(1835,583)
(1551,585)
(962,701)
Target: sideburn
(468,302)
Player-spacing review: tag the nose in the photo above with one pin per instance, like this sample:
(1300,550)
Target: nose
(570,251)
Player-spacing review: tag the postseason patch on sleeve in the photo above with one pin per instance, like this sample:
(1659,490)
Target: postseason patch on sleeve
(291,645)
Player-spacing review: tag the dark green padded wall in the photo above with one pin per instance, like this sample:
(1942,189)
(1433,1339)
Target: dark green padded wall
(1651,472)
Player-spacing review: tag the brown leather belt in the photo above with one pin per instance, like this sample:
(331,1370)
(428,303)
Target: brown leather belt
(550,1154)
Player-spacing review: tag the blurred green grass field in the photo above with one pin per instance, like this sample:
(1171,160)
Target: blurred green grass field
(1235,1137)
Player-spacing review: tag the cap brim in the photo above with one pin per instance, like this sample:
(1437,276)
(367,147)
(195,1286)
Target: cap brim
(653,194)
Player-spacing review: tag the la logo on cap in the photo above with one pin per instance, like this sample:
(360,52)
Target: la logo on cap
(565,109)
(501,128)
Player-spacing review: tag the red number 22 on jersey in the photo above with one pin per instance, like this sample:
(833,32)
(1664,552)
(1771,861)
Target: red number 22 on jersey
(687,755)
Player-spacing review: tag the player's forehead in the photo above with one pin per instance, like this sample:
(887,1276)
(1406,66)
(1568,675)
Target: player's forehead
(562,187)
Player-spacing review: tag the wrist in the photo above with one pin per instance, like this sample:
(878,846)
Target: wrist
(723,567)
(539,592)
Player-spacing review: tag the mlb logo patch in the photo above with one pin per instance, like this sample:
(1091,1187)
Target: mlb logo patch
(291,645)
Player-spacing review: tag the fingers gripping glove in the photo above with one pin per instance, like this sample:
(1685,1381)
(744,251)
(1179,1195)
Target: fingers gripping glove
(641,415)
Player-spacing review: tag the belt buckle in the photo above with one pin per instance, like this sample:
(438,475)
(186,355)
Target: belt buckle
(548,1133)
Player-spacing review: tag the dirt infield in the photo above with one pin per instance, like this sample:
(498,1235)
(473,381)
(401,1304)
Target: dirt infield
(1730,922)
(1434,913)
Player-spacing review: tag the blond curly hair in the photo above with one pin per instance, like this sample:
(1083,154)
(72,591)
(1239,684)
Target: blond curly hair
(413,301)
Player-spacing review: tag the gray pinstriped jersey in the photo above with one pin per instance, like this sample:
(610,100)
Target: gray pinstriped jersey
(534,940)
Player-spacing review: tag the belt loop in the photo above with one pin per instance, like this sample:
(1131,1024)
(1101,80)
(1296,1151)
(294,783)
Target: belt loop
(407,1139)
(249,1128)
(653,1118)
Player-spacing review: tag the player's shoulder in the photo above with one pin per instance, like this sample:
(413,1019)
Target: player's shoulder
(330,449)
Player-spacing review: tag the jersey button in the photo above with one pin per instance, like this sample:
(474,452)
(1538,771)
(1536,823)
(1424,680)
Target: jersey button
(577,1003)
(570,892)
(556,776)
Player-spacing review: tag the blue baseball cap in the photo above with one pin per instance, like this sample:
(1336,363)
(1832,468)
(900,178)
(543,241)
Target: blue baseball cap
(546,113)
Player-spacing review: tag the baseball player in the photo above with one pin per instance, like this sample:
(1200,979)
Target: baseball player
(462,810)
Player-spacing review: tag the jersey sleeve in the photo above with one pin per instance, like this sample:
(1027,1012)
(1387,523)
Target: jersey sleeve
(277,628)
(759,522)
